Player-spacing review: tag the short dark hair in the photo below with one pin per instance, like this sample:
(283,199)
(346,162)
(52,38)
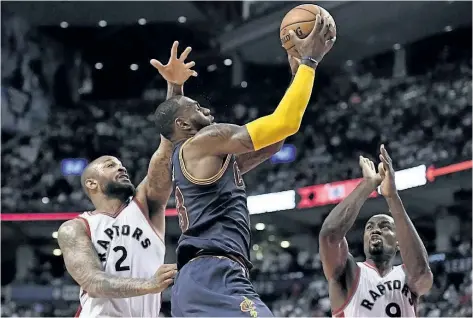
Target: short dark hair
(165,115)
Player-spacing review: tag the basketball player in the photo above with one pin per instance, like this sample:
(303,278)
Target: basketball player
(208,160)
(116,252)
(374,288)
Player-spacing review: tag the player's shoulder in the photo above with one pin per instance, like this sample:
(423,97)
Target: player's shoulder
(72,228)
(221,130)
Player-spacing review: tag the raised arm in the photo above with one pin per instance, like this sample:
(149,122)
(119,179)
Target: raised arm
(83,263)
(222,139)
(333,245)
(251,160)
(413,252)
(155,189)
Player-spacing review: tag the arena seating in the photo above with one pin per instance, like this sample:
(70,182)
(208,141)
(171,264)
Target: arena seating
(423,118)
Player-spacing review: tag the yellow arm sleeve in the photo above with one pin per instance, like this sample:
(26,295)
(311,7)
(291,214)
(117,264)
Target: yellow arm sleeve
(286,119)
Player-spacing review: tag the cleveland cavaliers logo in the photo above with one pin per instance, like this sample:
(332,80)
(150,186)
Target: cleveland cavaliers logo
(181,210)
(248,305)
(237,175)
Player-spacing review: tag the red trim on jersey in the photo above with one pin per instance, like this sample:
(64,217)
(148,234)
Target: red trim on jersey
(356,281)
(142,209)
(78,311)
(112,215)
(377,271)
(86,225)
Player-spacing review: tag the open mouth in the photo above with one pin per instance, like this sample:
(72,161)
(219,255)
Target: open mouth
(376,239)
(123,177)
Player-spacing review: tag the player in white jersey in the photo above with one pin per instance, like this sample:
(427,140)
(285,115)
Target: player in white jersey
(116,253)
(374,288)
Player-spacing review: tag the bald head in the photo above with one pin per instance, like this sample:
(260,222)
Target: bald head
(386,217)
(106,175)
(91,171)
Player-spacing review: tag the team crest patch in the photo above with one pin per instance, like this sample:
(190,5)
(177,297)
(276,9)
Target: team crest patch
(248,305)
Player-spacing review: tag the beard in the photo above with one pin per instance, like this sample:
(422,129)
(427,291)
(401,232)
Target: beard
(376,250)
(121,191)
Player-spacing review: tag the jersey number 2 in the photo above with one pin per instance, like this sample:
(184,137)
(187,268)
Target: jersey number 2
(393,310)
(118,265)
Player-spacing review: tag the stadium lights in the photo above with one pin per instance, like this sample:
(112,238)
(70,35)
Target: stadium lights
(182,19)
(64,24)
(260,226)
(211,68)
(323,194)
(285,244)
(244,84)
(57,252)
(448,28)
(133,67)
(54,235)
(142,21)
(397,46)
(227,62)
(45,200)
(102,23)
(98,66)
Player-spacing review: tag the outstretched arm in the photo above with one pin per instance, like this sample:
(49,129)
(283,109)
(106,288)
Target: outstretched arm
(332,242)
(154,191)
(251,160)
(157,184)
(221,139)
(413,252)
(285,121)
(83,263)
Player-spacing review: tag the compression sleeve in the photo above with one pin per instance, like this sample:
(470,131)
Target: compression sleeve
(286,119)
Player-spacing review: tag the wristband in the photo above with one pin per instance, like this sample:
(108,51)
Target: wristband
(309,62)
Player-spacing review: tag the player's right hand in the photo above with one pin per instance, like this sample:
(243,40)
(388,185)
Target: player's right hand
(164,277)
(176,71)
(369,171)
(319,41)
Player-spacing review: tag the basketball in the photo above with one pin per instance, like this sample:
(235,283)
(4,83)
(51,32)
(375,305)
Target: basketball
(301,20)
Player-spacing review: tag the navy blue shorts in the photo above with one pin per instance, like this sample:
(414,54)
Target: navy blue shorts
(215,286)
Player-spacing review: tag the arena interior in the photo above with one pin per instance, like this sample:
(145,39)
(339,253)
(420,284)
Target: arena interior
(77,84)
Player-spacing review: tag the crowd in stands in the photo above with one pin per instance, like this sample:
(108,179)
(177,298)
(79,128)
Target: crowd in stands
(292,284)
(424,118)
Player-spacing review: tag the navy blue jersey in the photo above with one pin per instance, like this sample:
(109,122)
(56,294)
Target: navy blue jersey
(213,214)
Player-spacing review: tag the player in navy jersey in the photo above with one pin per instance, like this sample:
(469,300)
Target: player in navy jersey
(208,160)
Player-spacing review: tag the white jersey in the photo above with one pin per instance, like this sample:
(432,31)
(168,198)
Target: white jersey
(128,246)
(376,296)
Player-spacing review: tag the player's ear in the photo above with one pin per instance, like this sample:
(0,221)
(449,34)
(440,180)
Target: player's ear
(91,184)
(182,124)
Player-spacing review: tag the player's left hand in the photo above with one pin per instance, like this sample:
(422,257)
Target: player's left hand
(176,71)
(294,63)
(386,171)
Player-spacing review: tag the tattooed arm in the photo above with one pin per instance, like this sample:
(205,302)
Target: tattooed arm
(174,90)
(249,161)
(155,189)
(84,266)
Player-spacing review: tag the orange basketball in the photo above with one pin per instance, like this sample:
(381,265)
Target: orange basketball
(301,20)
